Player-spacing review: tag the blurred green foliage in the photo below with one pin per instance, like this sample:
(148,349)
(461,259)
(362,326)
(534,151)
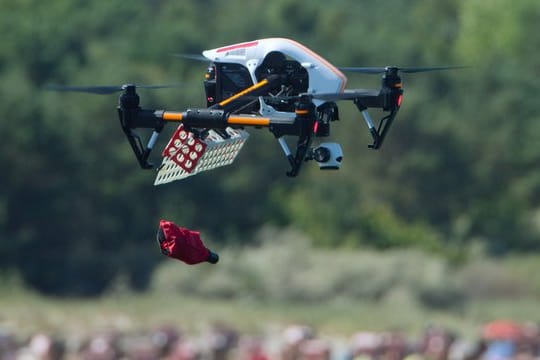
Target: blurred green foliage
(283,268)
(460,164)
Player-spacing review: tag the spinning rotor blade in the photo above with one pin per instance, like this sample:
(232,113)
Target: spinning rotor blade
(101,90)
(364,70)
(195,57)
(381,70)
(105,90)
(346,95)
(412,70)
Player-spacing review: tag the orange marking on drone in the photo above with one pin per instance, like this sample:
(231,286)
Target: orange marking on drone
(248,120)
(244,92)
(301,112)
(172,116)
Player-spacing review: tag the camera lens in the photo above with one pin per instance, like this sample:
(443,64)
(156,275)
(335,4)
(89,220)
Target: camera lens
(321,154)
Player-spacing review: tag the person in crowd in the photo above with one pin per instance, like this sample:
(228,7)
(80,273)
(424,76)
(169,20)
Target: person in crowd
(293,338)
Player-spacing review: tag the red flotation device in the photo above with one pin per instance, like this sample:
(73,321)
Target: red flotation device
(183,244)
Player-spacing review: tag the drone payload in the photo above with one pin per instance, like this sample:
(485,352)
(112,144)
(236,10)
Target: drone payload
(186,155)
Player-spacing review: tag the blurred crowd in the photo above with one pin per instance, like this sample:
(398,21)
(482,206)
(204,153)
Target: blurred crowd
(499,340)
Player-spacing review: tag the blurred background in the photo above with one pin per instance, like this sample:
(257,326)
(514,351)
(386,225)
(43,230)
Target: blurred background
(436,233)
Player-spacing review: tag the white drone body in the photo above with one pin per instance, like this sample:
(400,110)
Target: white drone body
(323,76)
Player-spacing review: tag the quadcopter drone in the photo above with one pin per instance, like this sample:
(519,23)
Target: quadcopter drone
(273,83)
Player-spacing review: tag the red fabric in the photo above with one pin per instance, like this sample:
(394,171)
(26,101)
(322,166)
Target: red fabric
(182,244)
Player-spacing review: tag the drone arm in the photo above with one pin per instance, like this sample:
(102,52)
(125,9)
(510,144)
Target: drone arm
(302,126)
(132,118)
(218,117)
(214,119)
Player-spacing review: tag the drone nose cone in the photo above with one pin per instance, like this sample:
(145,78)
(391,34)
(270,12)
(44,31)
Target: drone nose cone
(211,55)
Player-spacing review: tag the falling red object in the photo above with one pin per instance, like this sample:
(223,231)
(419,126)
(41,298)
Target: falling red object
(183,244)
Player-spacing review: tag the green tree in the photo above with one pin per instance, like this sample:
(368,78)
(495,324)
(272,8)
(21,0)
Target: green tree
(460,162)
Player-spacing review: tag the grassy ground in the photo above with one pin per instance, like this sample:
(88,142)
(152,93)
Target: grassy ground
(28,313)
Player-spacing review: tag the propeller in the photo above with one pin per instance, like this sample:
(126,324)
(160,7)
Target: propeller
(381,70)
(346,95)
(105,90)
(195,57)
